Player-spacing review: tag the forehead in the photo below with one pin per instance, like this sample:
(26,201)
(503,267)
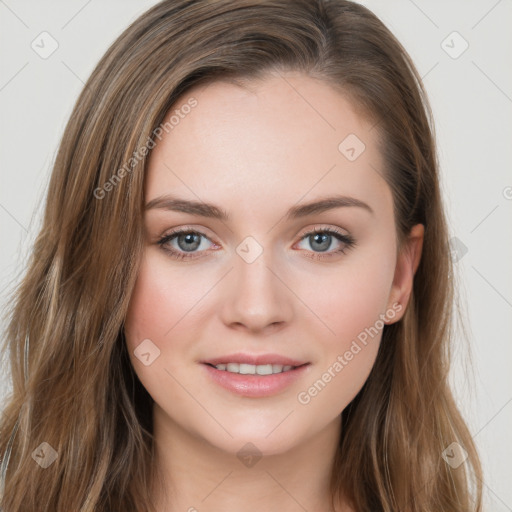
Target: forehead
(273,141)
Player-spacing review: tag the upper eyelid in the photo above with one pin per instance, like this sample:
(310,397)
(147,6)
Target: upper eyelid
(186,229)
(305,231)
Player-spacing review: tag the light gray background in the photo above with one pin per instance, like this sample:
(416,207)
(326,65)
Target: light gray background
(471,97)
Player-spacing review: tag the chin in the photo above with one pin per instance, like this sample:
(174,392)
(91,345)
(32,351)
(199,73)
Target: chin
(252,441)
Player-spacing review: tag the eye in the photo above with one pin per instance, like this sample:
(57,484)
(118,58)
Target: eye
(186,240)
(185,243)
(322,240)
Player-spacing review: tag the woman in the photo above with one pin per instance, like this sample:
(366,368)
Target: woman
(180,341)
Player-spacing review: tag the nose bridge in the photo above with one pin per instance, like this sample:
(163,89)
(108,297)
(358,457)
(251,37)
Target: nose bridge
(257,297)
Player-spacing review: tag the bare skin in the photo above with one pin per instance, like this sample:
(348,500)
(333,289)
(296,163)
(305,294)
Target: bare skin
(256,152)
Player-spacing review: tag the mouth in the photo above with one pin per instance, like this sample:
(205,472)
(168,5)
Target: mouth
(255,376)
(253,369)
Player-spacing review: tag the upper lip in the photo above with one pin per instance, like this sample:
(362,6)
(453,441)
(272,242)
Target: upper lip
(255,359)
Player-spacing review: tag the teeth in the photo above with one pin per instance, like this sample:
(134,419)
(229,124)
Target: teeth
(247,368)
(251,369)
(233,367)
(264,369)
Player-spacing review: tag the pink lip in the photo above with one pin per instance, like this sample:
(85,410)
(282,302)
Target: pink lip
(255,386)
(255,359)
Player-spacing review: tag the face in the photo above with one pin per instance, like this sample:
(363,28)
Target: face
(273,283)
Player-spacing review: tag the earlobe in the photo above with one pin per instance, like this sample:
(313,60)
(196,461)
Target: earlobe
(407,264)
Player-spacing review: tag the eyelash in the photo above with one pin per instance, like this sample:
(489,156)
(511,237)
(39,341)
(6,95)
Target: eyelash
(348,240)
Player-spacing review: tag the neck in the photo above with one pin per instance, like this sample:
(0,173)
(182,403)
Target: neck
(195,475)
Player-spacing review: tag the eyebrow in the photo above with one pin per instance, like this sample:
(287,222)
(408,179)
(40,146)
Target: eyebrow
(202,209)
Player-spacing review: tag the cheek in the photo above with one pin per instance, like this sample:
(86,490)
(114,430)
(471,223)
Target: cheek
(162,300)
(353,297)
(351,304)
(155,309)
(157,312)
(166,307)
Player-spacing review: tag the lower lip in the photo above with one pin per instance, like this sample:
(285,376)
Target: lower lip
(256,386)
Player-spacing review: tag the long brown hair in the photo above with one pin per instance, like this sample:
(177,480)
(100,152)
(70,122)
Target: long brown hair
(78,392)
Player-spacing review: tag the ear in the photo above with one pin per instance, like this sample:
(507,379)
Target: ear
(407,263)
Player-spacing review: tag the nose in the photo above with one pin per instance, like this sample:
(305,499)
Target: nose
(256,297)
